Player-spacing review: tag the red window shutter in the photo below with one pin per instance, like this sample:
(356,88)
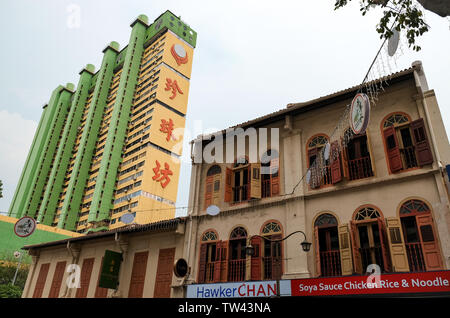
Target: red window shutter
(344,157)
(224,262)
(423,150)
(392,149)
(100,292)
(317,251)
(357,267)
(314,182)
(202,263)
(164,273)
(275,176)
(218,262)
(57,279)
(430,245)
(228,190)
(336,173)
(138,273)
(384,245)
(209,191)
(256,258)
(85,278)
(40,283)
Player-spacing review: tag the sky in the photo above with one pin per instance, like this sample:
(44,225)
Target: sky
(252,58)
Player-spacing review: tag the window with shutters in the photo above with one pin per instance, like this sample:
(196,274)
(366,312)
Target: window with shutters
(270,177)
(210,258)
(237,255)
(327,245)
(241,180)
(370,239)
(356,151)
(271,252)
(399,144)
(421,244)
(319,166)
(212,187)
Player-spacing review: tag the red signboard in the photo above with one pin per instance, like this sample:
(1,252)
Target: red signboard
(424,282)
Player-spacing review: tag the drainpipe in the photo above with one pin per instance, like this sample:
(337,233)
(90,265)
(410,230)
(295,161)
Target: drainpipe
(74,252)
(123,246)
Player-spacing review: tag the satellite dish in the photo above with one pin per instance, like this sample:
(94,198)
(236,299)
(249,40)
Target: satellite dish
(393,42)
(127,218)
(213,210)
(326,152)
(308,176)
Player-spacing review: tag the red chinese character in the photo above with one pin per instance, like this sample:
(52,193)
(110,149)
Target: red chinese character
(167,128)
(162,175)
(172,85)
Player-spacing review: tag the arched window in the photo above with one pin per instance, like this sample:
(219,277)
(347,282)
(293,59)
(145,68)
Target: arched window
(267,259)
(237,261)
(405,142)
(212,190)
(209,271)
(421,243)
(270,179)
(327,245)
(318,165)
(370,240)
(209,236)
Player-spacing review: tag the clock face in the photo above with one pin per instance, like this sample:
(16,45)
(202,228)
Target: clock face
(25,226)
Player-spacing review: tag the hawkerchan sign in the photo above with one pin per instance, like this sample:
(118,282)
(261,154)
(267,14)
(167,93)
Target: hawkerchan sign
(395,283)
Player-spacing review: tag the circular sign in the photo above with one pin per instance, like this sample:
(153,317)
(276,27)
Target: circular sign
(393,42)
(127,218)
(179,54)
(213,210)
(180,268)
(25,226)
(17,254)
(359,113)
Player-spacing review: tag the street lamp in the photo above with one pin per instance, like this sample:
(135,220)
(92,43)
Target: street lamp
(306,246)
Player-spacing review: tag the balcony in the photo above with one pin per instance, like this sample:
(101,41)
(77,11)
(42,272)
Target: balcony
(360,168)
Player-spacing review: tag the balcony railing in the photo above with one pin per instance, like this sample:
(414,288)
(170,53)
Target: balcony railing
(360,168)
(409,155)
(415,257)
(240,193)
(372,255)
(209,276)
(330,263)
(236,270)
(272,267)
(265,188)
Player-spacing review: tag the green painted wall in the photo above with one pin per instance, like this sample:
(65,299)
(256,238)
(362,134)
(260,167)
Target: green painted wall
(80,171)
(112,153)
(55,183)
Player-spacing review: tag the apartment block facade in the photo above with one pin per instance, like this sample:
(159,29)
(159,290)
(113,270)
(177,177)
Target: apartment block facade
(112,145)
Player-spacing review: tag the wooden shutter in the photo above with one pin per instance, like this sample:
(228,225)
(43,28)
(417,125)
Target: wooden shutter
(357,265)
(392,149)
(336,172)
(430,246)
(202,263)
(423,150)
(209,191)
(100,292)
(40,283)
(255,180)
(314,182)
(138,273)
(228,189)
(345,250)
(57,279)
(396,245)
(224,261)
(164,273)
(276,257)
(218,262)
(344,157)
(256,259)
(216,189)
(384,245)
(85,278)
(275,176)
(317,251)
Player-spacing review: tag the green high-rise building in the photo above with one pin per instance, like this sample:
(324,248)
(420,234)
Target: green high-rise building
(107,147)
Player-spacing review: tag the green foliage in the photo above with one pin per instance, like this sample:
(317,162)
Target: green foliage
(7,275)
(404,14)
(10,291)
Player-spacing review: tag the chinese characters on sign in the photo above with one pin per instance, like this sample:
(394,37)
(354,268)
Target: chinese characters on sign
(162,175)
(172,85)
(167,128)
